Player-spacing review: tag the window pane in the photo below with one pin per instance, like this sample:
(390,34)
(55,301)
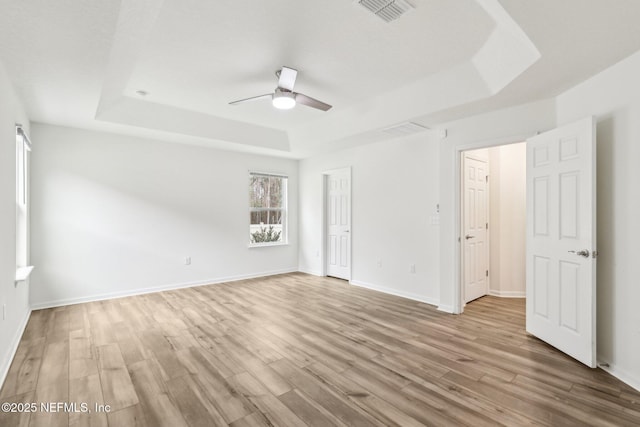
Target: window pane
(266,192)
(267,208)
(265,234)
(22,199)
(275,192)
(272,216)
(255,217)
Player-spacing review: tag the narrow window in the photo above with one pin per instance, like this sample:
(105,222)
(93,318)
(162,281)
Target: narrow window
(23,147)
(267,209)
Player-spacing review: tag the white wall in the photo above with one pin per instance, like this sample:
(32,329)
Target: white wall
(394,197)
(507,219)
(115,215)
(613,96)
(14,297)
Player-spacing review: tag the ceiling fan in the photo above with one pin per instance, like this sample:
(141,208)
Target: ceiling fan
(284,98)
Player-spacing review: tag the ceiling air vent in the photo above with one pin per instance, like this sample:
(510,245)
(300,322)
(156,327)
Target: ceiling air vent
(387,10)
(402,129)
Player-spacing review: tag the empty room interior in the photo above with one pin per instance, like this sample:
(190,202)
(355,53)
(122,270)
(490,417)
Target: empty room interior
(349,212)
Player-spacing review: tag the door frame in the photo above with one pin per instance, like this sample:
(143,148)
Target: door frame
(461,225)
(323,241)
(458,283)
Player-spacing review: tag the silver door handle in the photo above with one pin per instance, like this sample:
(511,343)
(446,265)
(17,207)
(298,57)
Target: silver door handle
(583,253)
(469,236)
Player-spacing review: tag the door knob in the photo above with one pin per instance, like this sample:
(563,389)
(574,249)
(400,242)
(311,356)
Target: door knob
(469,236)
(583,253)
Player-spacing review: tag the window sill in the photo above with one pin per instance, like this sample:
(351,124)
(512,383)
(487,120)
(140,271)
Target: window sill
(265,245)
(23,273)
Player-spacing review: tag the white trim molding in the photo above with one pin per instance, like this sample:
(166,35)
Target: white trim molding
(507,294)
(150,290)
(389,291)
(311,272)
(23,273)
(446,309)
(620,374)
(13,348)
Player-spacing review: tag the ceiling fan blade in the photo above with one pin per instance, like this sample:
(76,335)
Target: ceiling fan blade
(287,78)
(310,102)
(255,98)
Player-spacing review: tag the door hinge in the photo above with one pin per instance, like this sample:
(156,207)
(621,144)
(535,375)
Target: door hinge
(487,273)
(486,178)
(487,226)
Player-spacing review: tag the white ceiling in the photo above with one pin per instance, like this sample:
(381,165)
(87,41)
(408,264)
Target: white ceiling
(80,63)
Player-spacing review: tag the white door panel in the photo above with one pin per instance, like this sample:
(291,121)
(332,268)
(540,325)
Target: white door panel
(475,256)
(561,205)
(339,225)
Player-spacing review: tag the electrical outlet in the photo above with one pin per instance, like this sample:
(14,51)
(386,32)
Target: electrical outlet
(187,260)
(379,263)
(412,269)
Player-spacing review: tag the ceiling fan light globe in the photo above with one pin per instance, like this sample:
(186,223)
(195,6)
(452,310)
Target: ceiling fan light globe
(283,100)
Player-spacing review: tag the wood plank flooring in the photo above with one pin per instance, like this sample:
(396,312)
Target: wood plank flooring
(295,350)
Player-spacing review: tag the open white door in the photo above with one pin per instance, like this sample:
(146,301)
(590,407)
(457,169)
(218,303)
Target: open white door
(339,224)
(561,239)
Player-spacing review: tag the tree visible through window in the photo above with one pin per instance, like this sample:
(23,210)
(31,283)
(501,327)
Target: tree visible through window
(267,208)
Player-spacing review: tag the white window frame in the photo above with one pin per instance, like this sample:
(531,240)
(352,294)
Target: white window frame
(23,148)
(285,202)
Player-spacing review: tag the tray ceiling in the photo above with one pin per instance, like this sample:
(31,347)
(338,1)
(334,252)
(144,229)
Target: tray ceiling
(82,63)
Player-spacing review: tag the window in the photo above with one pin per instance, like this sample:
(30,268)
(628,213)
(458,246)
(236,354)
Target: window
(23,147)
(267,209)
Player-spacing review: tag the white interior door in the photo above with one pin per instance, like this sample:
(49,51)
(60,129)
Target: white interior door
(339,225)
(561,239)
(474,227)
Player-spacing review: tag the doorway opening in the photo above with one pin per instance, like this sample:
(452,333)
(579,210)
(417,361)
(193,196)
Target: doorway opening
(560,238)
(493,222)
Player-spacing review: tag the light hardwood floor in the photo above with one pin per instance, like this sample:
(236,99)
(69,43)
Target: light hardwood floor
(301,350)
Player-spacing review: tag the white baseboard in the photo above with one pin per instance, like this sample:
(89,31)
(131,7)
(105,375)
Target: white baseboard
(390,291)
(622,375)
(149,290)
(446,308)
(312,272)
(507,294)
(13,348)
